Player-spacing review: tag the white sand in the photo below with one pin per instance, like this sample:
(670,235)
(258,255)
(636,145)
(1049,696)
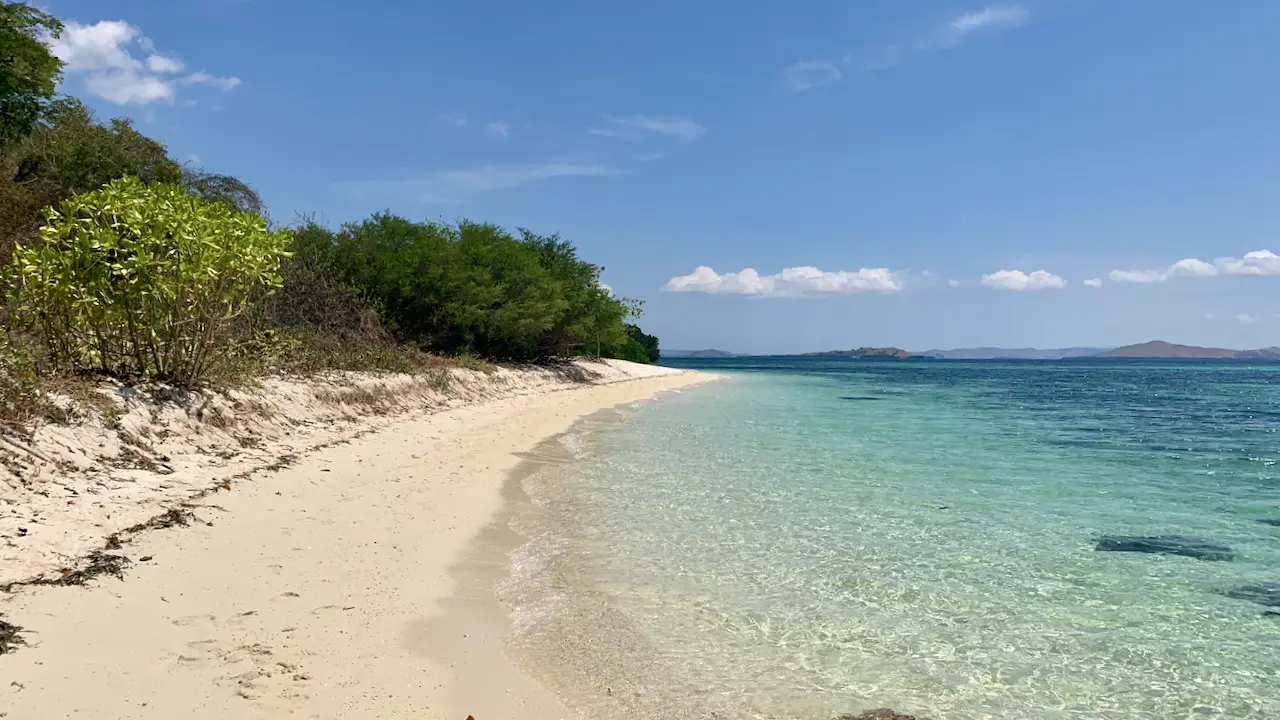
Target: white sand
(314,591)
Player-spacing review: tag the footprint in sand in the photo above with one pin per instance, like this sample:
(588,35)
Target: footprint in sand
(189,620)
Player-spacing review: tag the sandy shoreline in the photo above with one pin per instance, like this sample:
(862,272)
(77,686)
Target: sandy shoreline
(317,591)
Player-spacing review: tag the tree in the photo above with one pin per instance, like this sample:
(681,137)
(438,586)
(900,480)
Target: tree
(29,73)
(225,189)
(648,344)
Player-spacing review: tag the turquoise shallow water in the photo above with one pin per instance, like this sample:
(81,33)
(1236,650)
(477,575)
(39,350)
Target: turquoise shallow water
(810,537)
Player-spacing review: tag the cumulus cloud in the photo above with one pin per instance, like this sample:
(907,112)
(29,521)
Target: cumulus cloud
(1094,282)
(808,74)
(1245,318)
(1258,262)
(635,127)
(791,282)
(103,53)
(953,283)
(1018,280)
(497,129)
(162,64)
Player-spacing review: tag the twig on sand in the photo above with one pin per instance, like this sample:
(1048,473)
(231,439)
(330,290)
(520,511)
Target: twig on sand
(23,448)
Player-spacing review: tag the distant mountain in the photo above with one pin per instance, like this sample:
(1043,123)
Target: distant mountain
(865,352)
(1164,350)
(697,354)
(995,353)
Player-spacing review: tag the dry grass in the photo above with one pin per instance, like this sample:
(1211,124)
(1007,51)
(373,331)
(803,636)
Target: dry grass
(375,397)
(28,398)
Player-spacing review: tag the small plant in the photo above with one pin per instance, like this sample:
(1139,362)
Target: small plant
(142,281)
(20,396)
(112,418)
(440,380)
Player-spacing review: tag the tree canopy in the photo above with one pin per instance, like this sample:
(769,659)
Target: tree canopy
(29,73)
(474,287)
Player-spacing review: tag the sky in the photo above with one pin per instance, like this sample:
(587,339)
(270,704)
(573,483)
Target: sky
(766,176)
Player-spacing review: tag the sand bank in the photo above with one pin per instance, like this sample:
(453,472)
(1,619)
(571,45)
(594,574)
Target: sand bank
(313,590)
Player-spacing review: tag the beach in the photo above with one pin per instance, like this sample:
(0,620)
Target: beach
(317,589)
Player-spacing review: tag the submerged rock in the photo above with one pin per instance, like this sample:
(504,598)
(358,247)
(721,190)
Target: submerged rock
(878,714)
(1266,593)
(1165,545)
(1273,522)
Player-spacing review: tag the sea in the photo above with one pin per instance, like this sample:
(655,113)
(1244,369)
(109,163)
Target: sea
(808,538)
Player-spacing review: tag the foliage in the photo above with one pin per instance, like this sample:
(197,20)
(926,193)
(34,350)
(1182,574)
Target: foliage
(225,189)
(315,298)
(474,287)
(19,389)
(29,73)
(647,345)
(69,153)
(142,281)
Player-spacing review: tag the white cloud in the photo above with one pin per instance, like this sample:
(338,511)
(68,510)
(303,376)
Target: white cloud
(162,64)
(808,74)
(605,287)
(102,52)
(1094,282)
(791,282)
(956,32)
(96,47)
(1245,318)
(953,283)
(1258,262)
(129,88)
(497,129)
(634,127)
(203,78)
(989,18)
(1018,280)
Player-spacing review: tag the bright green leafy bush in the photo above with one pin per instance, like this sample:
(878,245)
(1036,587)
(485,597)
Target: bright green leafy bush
(139,280)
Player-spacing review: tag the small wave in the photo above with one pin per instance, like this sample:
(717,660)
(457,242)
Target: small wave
(572,442)
(529,590)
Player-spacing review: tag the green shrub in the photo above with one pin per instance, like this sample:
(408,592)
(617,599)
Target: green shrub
(139,280)
(315,298)
(69,153)
(19,388)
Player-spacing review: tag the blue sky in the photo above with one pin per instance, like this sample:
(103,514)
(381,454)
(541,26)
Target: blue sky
(913,173)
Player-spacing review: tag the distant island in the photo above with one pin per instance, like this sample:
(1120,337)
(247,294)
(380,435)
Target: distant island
(1155,350)
(866,352)
(697,354)
(1162,350)
(995,353)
